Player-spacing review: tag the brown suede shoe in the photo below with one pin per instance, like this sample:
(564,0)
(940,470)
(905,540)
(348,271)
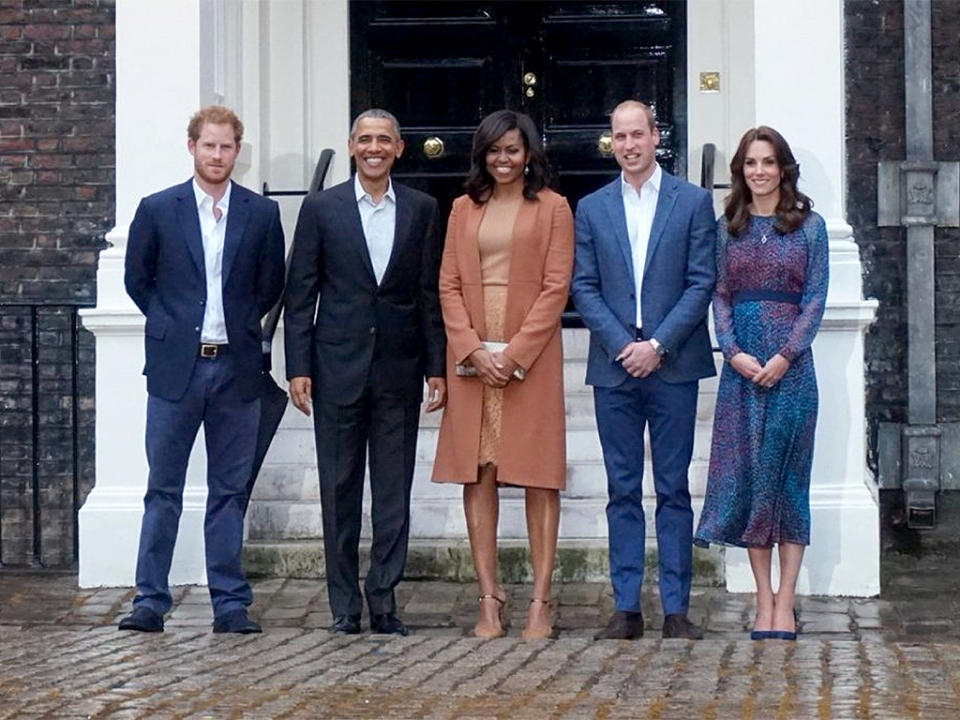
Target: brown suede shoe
(679,626)
(622,625)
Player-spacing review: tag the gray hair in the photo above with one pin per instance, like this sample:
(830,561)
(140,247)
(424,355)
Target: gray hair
(379,114)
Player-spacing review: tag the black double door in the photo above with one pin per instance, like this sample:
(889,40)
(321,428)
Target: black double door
(441,66)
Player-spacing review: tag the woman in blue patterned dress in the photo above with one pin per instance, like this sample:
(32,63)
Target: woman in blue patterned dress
(772,268)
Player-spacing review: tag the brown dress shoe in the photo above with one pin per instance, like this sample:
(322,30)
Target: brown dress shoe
(679,626)
(622,625)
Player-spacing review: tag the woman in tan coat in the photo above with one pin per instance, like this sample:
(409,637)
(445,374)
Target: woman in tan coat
(505,277)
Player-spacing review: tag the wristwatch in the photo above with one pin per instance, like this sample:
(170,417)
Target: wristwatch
(657,347)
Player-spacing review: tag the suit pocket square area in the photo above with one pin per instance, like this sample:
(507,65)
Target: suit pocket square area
(466,368)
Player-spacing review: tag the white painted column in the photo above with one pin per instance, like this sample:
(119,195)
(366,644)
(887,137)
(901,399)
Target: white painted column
(804,100)
(158,89)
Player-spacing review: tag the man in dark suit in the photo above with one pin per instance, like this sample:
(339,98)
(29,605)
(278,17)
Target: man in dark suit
(370,249)
(643,277)
(204,263)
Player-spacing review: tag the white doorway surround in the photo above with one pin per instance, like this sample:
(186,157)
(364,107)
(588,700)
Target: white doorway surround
(285,68)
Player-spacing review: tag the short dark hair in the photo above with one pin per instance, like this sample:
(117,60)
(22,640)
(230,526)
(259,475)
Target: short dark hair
(215,115)
(793,206)
(379,114)
(479,184)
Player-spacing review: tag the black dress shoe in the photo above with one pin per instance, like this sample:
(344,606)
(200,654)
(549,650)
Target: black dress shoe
(622,625)
(346,624)
(143,619)
(679,626)
(235,621)
(387,624)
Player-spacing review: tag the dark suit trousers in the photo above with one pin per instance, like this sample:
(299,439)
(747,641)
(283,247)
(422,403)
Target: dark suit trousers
(343,435)
(230,428)
(622,413)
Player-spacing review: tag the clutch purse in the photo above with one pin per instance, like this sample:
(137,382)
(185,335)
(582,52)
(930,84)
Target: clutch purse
(466,368)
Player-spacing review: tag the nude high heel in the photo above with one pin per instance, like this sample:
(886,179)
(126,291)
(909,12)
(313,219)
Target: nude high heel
(550,634)
(500,603)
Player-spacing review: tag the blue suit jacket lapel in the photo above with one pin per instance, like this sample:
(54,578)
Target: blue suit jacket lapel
(613,199)
(190,224)
(665,202)
(237,217)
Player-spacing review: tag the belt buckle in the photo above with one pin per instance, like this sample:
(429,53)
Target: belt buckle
(209,351)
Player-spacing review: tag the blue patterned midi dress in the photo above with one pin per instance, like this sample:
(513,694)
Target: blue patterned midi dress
(770,296)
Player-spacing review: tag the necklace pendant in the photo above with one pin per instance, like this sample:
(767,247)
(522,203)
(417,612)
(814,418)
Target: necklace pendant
(763,238)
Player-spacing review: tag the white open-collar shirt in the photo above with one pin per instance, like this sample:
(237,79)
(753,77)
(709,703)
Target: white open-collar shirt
(213,232)
(640,207)
(379,223)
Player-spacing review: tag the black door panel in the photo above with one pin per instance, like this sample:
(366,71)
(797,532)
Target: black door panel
(440,67)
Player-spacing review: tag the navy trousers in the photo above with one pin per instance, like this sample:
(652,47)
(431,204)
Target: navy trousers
(670,409)
(230,427)
(344,433)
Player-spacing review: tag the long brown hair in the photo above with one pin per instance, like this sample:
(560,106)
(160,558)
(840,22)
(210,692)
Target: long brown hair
(793,206)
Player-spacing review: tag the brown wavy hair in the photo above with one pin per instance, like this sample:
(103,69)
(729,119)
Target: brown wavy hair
(479,183)
(215,115)
(793,206)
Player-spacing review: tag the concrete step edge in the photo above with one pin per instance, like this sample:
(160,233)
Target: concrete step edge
(450,560)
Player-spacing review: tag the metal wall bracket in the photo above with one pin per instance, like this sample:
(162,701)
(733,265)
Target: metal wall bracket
(921,476)
(921,460)
(918,193)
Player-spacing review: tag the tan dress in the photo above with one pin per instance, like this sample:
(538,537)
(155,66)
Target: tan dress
(494,241)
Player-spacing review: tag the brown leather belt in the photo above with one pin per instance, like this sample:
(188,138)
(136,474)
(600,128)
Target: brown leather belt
(211,351)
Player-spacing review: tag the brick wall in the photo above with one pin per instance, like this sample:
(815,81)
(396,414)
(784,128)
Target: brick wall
(946,146)
(875,131)
(56,203)
(875,127)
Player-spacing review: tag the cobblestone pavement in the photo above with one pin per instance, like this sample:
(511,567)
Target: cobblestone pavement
(61,657)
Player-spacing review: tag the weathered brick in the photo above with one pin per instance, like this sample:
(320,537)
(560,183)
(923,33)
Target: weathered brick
(56,100)
(46,31)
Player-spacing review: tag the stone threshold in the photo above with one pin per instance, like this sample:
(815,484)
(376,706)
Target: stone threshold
(449,559)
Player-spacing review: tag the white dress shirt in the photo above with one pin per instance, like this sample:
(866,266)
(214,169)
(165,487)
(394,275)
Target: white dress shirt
(379,224)
(640,206)
(213,232)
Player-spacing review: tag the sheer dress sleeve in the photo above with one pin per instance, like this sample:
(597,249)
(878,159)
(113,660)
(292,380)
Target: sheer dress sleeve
(814,299)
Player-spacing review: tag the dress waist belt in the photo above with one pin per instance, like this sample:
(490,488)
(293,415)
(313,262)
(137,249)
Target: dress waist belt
(771,295)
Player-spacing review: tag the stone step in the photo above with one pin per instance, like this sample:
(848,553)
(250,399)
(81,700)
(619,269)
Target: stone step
(578,400)
(583,518)
(450,560)
(585,479)
(296,446)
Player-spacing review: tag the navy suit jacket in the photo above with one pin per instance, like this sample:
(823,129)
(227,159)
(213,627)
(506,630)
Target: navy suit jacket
(165,275)
(389,335)
(678,279)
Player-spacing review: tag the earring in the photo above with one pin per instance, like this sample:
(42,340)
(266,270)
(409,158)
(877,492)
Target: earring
(526,170)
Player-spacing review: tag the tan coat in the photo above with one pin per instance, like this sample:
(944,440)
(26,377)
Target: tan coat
(533,433)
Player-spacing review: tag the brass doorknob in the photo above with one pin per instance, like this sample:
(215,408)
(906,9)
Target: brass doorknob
(529,79)
(433,147)
(605,144)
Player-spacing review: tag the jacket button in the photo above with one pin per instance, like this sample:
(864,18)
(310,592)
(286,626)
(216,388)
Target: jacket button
(197,328)
(373,331)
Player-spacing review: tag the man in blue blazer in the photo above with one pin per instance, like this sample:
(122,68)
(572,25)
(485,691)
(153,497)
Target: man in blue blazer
(362,331)
(204,263)
(642,282)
